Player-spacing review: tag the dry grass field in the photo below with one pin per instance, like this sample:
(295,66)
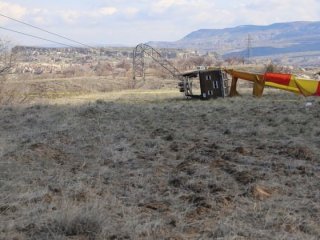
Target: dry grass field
(148,164)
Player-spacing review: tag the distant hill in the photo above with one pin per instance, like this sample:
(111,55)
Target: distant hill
(277,38)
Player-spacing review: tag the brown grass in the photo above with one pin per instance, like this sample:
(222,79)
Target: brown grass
(152,165)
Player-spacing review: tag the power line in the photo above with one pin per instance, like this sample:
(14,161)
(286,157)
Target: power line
(30,35)
(41,29)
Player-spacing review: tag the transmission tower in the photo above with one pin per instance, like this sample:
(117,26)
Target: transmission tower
(141,52)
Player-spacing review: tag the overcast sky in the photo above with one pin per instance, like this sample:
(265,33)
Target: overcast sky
(131,22)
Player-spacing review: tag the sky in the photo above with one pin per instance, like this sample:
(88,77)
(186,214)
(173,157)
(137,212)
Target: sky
(123,22)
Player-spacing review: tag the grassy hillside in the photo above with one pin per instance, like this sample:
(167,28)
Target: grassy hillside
(151,165)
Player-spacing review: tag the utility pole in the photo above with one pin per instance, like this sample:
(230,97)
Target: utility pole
(249,46)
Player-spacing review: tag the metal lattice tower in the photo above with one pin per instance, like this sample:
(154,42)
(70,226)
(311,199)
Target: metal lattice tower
(142,51)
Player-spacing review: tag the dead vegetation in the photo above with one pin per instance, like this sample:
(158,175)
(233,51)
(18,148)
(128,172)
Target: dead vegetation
(147,166)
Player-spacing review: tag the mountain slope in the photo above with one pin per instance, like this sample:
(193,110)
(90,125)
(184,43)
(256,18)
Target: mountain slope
(266,40)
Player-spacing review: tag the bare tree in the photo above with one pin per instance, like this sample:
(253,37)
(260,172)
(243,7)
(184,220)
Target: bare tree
(6,65)
(6,58)
(103,68)
(124,64)
(197,61)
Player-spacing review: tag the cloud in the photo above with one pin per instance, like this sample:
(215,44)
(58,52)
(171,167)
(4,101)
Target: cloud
(267,12)
(130,11)
(163,5)
(107,11)
(74,16)
(40,20)
(70,16)
(12,10)
(153,19)
(86,16)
